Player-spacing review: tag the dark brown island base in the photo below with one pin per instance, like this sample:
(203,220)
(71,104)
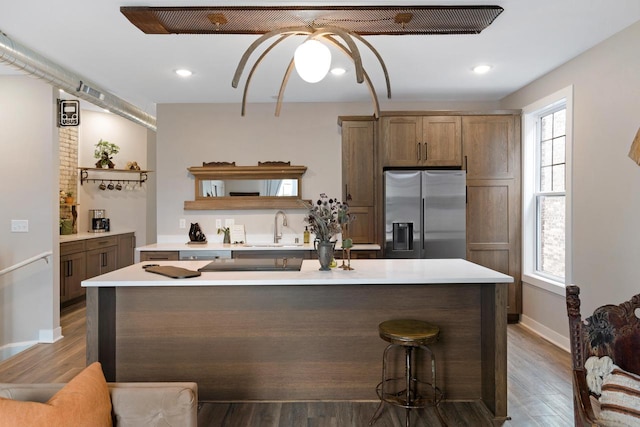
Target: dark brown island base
(299,335)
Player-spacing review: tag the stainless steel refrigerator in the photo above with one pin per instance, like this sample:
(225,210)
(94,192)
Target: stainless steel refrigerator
(425,214)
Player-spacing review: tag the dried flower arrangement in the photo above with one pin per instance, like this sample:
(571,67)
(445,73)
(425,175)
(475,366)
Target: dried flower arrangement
(327,217)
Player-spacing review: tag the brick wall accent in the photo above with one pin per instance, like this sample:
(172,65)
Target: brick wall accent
(68,139)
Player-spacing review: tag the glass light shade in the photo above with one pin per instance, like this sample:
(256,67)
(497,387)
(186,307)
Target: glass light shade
(481,69)
(312,60)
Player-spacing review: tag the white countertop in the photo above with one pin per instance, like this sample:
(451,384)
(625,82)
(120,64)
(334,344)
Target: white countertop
(88,235)
(366,272)
(209,246)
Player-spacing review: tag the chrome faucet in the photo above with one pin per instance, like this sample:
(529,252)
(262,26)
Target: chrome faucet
(277,236)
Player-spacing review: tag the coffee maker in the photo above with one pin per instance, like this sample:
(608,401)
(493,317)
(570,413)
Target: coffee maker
(99,224)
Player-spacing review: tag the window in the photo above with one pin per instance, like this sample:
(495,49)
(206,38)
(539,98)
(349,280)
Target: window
(550,194)
(546,192)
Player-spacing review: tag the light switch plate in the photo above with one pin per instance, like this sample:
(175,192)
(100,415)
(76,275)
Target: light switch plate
(19,225)
(218,223)
(183,223)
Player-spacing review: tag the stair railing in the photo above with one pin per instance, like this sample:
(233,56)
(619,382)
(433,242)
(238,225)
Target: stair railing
(44,255)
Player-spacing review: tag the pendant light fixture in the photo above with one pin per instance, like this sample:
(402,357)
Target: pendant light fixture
(338,37)
(312,61)
(336,26)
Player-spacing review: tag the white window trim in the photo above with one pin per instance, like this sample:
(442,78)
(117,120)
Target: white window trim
(529,116)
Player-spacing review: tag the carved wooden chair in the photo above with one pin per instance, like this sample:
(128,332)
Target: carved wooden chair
(612,330)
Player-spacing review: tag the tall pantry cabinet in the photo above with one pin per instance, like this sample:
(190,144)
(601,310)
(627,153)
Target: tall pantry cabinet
(491,149)
(358,176)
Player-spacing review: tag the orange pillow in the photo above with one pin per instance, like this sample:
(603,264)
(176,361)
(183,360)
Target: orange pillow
(84,401)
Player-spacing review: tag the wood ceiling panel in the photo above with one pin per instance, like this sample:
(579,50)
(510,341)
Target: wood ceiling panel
(364,20)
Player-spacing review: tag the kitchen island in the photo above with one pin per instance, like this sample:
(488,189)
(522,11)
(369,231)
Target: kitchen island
(299,335)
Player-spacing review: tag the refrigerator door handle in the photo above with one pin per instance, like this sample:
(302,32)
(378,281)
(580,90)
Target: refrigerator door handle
(422,227)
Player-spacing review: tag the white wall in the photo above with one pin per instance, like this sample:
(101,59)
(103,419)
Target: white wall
(29,189)
(305,134)
(606,183)
(127,210)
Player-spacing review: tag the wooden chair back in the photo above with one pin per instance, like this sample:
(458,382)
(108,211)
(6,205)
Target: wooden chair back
(612,330)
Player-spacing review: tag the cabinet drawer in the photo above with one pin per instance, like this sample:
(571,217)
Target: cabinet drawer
(304,254)
(159,255)
(71,247)
(102,242)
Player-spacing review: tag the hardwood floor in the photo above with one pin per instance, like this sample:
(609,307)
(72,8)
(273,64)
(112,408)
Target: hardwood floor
(539,388)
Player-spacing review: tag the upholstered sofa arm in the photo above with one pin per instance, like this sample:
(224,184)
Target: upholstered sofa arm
(134,404)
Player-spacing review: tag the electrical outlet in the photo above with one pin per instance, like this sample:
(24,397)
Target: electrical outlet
(218,223)
(229,222)
(183,223)
(19,225)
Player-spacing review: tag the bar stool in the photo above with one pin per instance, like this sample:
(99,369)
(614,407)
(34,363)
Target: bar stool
(410,335)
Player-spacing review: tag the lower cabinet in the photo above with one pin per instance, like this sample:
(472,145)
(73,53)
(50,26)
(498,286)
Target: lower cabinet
(84,259)
(72,273)
(100,261)
(272,254)
(126,249)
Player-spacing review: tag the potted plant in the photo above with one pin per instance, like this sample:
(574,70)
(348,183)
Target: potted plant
(227,236)
(66,226)
(68,197)
(104,152)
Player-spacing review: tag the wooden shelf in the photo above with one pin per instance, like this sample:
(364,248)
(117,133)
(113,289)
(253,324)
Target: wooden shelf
(232,172)
(84,175)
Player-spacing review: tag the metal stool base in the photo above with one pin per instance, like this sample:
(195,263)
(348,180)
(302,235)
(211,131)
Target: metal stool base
(408,398)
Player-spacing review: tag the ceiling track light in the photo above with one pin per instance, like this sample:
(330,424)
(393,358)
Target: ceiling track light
(348,47)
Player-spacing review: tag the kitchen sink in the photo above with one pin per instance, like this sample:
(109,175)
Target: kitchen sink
(254,264)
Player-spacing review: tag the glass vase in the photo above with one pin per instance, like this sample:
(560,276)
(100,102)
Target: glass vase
(325,254)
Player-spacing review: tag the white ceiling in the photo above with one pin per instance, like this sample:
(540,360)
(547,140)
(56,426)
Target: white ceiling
(93,39)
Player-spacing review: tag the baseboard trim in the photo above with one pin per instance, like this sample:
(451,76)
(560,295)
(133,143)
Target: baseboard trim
(49,336)
(11,349)
(548,334)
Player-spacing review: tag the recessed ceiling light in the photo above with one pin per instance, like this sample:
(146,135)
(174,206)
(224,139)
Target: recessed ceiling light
(338,71)
(183,72)
(481,69)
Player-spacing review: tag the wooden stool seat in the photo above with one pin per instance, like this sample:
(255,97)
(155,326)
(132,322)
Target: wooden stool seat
(408,332)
